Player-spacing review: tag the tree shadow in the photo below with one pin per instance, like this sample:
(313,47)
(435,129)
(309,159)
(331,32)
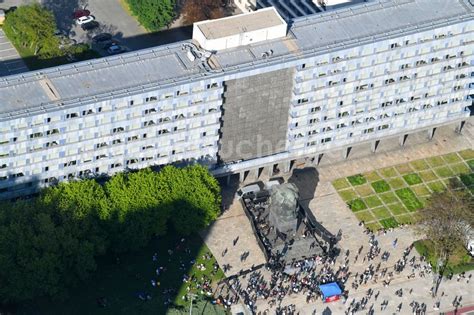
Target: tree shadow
(63,11)
(123,279)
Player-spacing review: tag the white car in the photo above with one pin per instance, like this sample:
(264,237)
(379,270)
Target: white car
(84,19)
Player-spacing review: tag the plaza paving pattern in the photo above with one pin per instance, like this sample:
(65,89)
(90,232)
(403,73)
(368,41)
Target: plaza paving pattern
(377,199)
(332,212)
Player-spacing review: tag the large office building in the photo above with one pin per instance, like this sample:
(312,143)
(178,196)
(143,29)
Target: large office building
(248,92)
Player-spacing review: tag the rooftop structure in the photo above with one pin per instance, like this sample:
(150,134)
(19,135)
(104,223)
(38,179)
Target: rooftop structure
(288,9)
(335,4)
(238,30)
(167,66)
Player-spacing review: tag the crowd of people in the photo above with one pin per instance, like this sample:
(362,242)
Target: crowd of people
(277,281)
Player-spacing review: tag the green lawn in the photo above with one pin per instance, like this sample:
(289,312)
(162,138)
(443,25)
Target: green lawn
(364,190)
(397,192)
(365,216)
(396,183)
(348,194)
(460,168)
(341,183)
(389,223)
(467,154)
(397,208)
(372,201)
(436,186)
(380,186)
(357,205)
(357,179)
(471,164)
(120,282)
(435,161)
(381,213)
(419,165)
(406,219)
(404,169)
(389,172)
(458,262)
(421,190)
(451,158)
(388,198)
(444,171)
(372,176)
(412,179)
(409,199)
(428,176)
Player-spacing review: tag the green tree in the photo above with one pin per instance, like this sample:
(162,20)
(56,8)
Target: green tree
(32,27)
(49,243)
(444,222)
(137,211)
(153,14)
(196,199)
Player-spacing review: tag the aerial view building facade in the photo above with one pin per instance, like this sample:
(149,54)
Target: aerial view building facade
(248,91)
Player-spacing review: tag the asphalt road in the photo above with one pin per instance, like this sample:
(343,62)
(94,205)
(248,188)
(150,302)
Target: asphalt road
(10,60)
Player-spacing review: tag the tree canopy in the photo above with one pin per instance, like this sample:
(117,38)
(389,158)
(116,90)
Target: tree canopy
(51,242)
(153,14)
(446,222)
(445,218)
(33,27)
(199,10)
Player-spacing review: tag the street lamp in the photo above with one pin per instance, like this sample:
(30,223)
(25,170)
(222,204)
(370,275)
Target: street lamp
(191,296)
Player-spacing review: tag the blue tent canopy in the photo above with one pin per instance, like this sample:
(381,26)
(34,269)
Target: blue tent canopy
(330,289)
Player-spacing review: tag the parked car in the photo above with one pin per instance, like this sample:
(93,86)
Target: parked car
(84,20)
(108,44)
(115,49)
(80,13)
(251,189)
(90,26)
(102,38)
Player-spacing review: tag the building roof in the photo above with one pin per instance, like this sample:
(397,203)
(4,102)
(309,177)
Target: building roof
(166,66)
(238,24)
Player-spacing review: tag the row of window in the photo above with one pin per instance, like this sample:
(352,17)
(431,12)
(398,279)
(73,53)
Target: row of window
(366,86)
(361,120)
(391,46)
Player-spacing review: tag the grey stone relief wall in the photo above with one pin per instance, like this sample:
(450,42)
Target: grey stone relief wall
(255,115)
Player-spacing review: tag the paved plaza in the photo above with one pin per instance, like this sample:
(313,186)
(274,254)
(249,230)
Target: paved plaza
(332,212)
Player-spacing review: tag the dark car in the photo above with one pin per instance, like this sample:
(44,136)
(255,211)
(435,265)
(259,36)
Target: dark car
(80,13)
(115,49)
(90,26)
(106,45)
(102,38)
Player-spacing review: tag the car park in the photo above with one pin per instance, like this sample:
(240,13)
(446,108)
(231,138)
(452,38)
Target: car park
(90,26)
(102,38)
(84,20)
